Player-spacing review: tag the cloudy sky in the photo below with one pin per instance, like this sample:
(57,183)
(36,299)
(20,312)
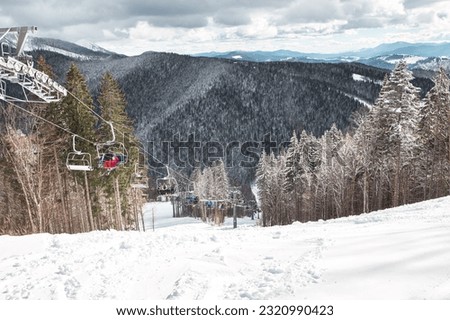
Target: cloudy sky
(134,26)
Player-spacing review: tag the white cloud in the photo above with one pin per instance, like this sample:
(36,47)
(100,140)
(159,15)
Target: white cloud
(134,26)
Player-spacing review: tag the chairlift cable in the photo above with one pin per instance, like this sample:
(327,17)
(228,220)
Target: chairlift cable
(49,122)
(93,111)
(181,175)
(108,122)
(87,140)
(123,134)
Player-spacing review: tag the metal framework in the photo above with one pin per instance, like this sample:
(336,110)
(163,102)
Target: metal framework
(16,67)
(139,179)
(77,160)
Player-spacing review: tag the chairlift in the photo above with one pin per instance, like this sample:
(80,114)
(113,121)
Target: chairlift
(111,154)
(191,198)
(138,178)
(167,185)
(210,204)
(77,160)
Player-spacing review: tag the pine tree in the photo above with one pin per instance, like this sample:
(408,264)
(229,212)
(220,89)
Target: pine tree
(332,171)
(199,183)
(365,156)
(313,161)
(403,128)
(209,185)
(221,181)
(296,181)
(54,143)
(293,164)
(73,113)
(263,176)
(76,117)
(112,107)
(399,145)
(395,117)
(434,138)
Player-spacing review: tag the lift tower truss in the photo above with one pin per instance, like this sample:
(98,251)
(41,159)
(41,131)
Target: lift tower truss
(17,67)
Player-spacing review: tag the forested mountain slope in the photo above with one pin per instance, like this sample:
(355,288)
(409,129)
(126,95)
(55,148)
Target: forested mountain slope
(223,100)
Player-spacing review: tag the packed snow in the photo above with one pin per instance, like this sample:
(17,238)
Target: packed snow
(408,59)
(401,253)
(92,46)
(58,50)
(359,77)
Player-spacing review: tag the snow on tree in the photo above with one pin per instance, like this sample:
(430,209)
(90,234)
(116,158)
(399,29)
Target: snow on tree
(434,126)
(221,182)
(400,147)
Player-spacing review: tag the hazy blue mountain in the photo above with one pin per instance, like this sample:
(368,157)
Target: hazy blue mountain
(419,55)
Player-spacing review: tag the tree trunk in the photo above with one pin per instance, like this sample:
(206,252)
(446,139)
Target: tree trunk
(118,204)
(61,190)
(396,186)
(366,192)
(81,214)
(88,202)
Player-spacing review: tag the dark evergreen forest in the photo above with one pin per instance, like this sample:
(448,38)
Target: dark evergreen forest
(224,101)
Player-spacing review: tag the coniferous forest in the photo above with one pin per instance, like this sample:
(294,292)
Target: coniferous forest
(398,153)
(385,148)
(38,193)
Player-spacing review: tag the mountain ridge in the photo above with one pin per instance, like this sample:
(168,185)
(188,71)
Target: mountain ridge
(429,56)
(225,100)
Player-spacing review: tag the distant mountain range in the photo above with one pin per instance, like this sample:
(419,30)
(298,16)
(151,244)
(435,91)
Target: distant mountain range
(428,56)
(420,56)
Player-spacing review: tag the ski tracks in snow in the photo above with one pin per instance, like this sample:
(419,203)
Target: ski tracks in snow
(65,269)
(207,263)
(231,271)
(280,274)
(400,253)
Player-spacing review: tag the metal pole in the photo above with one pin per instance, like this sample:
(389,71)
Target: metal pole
(173,206)
(142,219)
(153,219)
(234,217)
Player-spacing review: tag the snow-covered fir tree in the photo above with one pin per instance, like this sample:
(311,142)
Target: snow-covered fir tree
(398,154)
(434,119)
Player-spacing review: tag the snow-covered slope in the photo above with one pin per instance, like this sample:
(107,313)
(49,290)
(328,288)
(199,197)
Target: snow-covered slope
(81,52)
(401,253)
(93,47)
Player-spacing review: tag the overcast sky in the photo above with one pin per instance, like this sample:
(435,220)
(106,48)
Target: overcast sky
(134,26)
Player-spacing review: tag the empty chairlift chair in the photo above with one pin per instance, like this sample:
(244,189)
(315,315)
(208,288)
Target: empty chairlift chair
(139,178)
(77,160)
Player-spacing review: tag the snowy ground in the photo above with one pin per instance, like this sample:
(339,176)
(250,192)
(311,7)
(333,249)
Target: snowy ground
(402,253)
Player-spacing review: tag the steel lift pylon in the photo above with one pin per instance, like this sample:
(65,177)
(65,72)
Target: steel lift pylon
(17,67)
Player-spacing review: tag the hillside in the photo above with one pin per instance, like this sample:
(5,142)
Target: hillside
(223,100)
(399,253)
